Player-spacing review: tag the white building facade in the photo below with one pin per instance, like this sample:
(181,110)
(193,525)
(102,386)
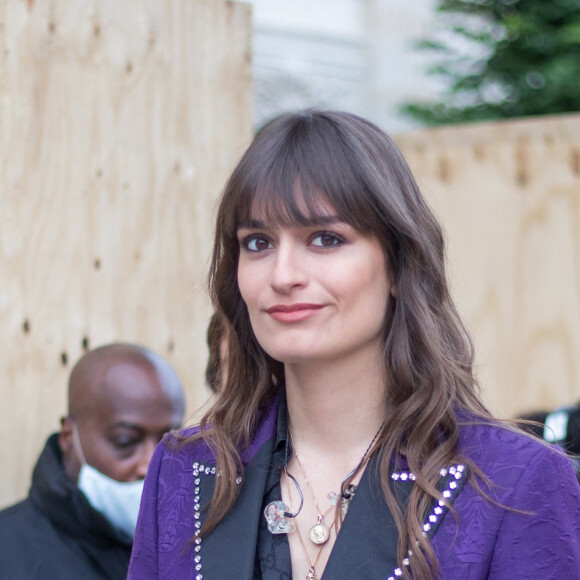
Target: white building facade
(355,55)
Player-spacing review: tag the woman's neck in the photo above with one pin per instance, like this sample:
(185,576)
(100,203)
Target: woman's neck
(334,407)
(335,410)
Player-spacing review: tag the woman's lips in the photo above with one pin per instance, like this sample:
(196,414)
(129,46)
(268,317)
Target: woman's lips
(293,312)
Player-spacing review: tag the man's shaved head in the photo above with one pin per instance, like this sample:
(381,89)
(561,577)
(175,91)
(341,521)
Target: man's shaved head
(88,379)
(122,398)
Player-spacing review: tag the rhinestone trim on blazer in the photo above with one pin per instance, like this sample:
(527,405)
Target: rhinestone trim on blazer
(456,475)
(200,469)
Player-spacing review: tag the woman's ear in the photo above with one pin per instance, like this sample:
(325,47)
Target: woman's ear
(394,290)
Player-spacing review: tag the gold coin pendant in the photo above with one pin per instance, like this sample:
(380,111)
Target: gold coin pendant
(319,533)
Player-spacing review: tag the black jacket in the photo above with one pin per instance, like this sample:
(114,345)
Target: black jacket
(55,534)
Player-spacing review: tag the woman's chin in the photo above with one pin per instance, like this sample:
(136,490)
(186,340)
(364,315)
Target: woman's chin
(295,356)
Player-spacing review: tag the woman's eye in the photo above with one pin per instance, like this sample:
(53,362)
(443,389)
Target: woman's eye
(257,244)
(326,240)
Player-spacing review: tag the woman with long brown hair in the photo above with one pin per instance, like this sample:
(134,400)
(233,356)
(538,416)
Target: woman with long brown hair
(348,439)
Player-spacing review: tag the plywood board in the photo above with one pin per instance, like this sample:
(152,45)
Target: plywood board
(119,123)
(508,195)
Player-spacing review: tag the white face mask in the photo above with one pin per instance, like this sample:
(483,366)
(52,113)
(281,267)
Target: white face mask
(118,501)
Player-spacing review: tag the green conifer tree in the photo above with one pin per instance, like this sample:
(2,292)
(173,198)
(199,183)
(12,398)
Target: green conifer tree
(503,58)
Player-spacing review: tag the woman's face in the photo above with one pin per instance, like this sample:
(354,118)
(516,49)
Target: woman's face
(316,292)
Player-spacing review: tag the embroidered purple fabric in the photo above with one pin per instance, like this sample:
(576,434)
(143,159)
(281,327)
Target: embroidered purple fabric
(485,541)
(492,542)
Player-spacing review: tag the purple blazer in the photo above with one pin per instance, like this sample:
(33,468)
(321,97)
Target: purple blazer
(481,540)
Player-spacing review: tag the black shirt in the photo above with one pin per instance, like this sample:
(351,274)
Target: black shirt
(273,551)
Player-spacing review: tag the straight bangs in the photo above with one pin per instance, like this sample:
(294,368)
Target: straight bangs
(292,175)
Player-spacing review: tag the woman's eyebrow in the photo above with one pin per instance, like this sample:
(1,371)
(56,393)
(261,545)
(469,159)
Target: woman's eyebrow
(313,220)
(253,225)
(323,220)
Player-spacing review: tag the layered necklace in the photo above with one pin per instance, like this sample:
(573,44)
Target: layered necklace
(311,575)
(277,514)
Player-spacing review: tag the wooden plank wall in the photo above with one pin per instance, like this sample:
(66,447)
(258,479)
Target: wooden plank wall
(508,195)
(119,123)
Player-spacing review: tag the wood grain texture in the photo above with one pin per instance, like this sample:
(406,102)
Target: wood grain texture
(119,123)
(508,196)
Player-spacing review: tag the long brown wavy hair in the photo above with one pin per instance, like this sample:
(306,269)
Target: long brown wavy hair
(348,162)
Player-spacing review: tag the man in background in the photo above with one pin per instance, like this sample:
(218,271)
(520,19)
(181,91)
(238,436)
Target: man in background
(79,518)
(560,427)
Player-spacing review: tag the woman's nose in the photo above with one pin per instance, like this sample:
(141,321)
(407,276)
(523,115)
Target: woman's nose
(289,268)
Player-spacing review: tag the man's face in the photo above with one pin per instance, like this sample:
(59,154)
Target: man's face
(128,414)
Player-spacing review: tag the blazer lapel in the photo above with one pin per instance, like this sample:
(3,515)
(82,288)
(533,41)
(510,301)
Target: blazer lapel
(366,546)
(229,551)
